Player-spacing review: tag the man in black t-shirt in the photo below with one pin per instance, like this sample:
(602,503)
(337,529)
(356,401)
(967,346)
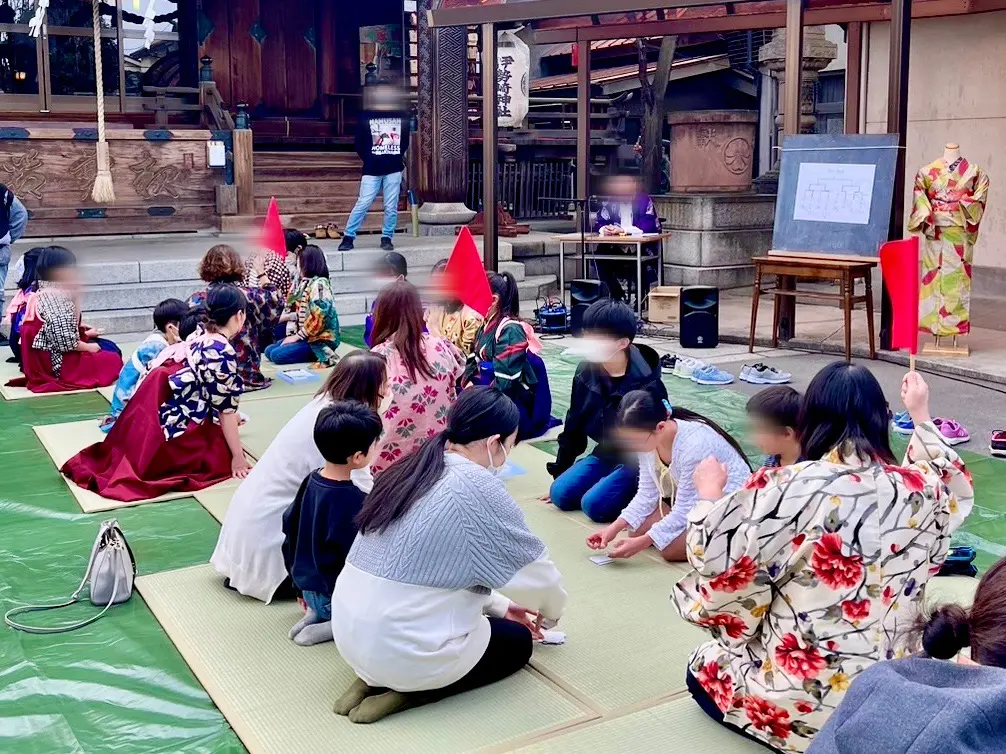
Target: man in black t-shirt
(382,138)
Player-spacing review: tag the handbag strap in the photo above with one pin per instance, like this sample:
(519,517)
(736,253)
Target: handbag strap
(8,616)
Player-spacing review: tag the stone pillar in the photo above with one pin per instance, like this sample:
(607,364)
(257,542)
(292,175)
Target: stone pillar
(818,52)
(441,182)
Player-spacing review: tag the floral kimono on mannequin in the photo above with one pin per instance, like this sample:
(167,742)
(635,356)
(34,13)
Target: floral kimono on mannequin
(949,203)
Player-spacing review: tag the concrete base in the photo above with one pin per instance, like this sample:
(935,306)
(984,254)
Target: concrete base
(445,213)
(714,236)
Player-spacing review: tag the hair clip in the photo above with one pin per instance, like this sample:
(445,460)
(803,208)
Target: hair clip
(668,406)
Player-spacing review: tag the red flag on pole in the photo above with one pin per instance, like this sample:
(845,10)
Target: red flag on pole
(576,55)
(899,262)
(466,275)
(272,231)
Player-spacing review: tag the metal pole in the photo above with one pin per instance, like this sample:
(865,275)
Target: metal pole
(897,123)
(582,147)
(490,150)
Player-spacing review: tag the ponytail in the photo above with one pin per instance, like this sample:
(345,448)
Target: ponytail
(641,409)
(504,285)
(478,414)
(947,632)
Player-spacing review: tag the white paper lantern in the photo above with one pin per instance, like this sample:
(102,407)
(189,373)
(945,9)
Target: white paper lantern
(513,60)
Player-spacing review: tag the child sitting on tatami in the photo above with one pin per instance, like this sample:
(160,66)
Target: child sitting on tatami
(772,418)
(320,524)
(167,318)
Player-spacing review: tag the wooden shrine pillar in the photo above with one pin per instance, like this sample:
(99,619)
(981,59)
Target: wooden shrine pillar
(853,76)
(582,135)
(490,150)
(897,123)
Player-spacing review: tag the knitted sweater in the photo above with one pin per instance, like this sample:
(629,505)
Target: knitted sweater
(409,608)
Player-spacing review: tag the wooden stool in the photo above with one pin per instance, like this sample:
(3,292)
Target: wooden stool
(790,269)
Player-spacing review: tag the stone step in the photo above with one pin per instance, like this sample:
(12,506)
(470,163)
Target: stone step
(352,307)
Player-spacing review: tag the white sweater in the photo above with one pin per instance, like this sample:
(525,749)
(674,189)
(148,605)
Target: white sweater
(249,550)
(694,442)
(409,608)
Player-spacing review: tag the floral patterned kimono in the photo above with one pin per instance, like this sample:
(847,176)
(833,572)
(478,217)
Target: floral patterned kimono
(265,305)
(811,573)
(949,203)
(419,406)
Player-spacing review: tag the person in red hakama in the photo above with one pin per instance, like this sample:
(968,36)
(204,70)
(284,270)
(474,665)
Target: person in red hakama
(59,353)
(179,433)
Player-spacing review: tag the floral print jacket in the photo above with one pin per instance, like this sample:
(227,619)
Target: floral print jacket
(317,320)
(418,407)
(811,573)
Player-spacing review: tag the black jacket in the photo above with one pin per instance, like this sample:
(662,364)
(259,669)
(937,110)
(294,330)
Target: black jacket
(594,403)
(382,140)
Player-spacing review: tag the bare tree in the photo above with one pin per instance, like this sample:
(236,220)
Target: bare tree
(653,96)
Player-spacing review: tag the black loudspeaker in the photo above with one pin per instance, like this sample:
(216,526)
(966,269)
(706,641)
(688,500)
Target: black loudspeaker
(700,316)
(583,293)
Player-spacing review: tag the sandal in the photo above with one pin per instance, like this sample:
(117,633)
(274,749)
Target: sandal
(321,231)
(333,230)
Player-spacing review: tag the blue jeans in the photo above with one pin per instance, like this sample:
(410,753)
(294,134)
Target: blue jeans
(321,604)
(294,353)
(369,186)
(600,488)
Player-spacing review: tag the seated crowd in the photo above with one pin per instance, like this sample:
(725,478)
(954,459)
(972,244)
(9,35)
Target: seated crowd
(381,503)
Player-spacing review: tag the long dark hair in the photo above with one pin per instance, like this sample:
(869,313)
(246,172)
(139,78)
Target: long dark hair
(313,263)
(951,628)
(30,275)
(641,409)
(504,285)
(398,318)
(478,414)
(53,258)
(844,405)
(359,376)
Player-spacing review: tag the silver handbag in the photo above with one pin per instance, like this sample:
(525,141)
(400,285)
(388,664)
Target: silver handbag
(110,573)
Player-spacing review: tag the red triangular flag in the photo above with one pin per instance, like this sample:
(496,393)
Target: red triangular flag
(899,263)
(465,276)
(272,231)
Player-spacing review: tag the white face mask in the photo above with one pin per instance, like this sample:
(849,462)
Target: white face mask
(385,403)
(383,282)
(596,350)
(493,468)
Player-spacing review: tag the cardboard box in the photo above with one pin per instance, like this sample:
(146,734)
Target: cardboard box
(665,304)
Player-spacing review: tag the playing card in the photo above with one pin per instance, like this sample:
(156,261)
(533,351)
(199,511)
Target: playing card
(601,560)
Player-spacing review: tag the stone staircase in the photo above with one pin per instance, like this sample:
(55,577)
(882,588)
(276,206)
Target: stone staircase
(126,277)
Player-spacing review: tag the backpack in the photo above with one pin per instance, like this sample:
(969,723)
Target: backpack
(110,573)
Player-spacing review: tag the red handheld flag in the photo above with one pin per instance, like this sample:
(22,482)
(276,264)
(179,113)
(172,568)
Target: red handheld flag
(465,275)
(272,230)
(899,262)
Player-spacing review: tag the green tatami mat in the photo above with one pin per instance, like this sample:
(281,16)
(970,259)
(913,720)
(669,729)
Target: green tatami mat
(217,499)
(63,441)
(278,696)
(608,604)
(672,727)
(265,419)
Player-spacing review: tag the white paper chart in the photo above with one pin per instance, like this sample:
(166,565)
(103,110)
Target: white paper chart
(828,192)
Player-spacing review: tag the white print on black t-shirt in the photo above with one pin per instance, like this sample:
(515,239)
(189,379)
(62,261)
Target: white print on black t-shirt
(385,136)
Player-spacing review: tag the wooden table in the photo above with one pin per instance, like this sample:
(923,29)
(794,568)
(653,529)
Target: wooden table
(789,269)
(595,239)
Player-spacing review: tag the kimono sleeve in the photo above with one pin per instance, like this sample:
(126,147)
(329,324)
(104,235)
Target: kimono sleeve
(510,357)
(265,305)
(225,390)
(921,220)
(61,321)
(973,205)
(727,593)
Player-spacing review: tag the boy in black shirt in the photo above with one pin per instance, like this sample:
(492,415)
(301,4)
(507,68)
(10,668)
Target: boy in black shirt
(320,523)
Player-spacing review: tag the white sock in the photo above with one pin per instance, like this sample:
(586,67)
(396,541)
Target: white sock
(316,633)
(309,617)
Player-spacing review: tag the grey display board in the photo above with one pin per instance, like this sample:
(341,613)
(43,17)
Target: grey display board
(835,193)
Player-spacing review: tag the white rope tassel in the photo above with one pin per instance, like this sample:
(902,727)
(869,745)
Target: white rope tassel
(104,191)
(148,24)
(36,22)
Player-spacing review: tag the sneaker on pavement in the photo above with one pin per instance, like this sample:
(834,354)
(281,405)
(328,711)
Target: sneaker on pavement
(953,432)
(684,366)
(668,361)
(762,374)
(347,243)
(386,244)
(997,445)
(711,375)
(902,423)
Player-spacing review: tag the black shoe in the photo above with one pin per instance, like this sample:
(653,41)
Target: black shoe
(5,342)
(347,243)
(386,244)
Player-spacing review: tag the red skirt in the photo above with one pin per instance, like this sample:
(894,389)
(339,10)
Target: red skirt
(135,461)
(81,370)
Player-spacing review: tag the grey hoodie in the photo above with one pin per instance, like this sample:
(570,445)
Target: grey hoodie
(919,706)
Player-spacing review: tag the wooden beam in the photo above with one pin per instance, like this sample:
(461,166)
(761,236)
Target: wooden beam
(794,67)
(244,171)
(853,76)
(539,9)
(897,123)
(490,150)
(582,128)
